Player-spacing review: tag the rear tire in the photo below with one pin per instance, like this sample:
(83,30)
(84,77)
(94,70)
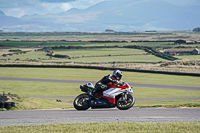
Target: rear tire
(125,104)
(81,102)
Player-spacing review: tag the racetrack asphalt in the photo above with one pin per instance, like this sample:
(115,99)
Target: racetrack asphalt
(196,88)
(39,117)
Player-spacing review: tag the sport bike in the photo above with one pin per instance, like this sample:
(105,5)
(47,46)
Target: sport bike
(119,94)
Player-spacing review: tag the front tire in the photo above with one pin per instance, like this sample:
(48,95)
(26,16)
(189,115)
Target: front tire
(125,103)
(81,102)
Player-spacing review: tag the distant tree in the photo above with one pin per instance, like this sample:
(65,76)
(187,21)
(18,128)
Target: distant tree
(109,30)
(196,29)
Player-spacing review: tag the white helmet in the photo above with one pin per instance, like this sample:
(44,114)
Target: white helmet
(117,74)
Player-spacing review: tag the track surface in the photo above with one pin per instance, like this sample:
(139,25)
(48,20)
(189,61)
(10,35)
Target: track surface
(37,117)
(180,87)
(197,88)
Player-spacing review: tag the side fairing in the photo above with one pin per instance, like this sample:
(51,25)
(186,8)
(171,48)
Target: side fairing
(111,93)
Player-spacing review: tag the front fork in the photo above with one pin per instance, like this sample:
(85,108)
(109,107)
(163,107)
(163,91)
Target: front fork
(124,96)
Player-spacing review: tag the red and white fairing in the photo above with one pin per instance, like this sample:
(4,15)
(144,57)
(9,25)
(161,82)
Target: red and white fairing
(115,90)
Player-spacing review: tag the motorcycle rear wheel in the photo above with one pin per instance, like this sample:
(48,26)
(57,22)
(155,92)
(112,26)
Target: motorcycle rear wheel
(124,104)
(81,102)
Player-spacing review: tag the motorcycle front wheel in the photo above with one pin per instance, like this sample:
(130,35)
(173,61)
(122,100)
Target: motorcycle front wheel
(125,102)
(81,102)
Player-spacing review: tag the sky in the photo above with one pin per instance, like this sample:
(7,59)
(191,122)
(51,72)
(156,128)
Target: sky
(18,8)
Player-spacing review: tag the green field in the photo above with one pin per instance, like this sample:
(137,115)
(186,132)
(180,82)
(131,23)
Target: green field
(174,127)
(99,51)
(95,75)
(189,57)
(66,89)
(82,55)
(90,55)
(85,52)
(163,45)
(96,55)
(34,55)
(34,41)
(135,58)
(20,43)
(82,52)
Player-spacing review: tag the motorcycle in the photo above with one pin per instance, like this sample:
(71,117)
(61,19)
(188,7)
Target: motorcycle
(117,95)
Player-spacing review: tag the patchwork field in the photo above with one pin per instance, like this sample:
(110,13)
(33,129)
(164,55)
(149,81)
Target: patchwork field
(84,50)
(118,54)
(114,51)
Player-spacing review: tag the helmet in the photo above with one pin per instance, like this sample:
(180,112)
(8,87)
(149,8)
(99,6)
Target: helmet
(117,74)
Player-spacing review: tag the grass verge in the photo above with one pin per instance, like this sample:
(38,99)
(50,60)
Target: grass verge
(193,105)
(67,89)
(64,89)
(167,103)
(95,75)
(175,127)
(40,103)
(28,103)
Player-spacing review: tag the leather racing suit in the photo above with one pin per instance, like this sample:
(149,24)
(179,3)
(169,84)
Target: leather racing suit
(101,85)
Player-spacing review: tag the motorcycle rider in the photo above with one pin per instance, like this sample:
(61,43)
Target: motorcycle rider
(114,78)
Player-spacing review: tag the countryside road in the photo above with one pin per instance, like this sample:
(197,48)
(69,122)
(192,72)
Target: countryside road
(38,117)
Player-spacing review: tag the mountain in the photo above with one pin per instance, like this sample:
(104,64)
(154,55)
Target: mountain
(14,24)
(8,21)
(118,15)
(141,15)
(2,13)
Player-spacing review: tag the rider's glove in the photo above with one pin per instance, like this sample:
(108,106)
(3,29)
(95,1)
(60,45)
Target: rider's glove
(115,82)
(119,84)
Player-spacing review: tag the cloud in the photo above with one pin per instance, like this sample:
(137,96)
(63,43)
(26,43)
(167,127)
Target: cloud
(15,12)
(25,7)
(81,4)
(57,1)
(183,2)
(18,8)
